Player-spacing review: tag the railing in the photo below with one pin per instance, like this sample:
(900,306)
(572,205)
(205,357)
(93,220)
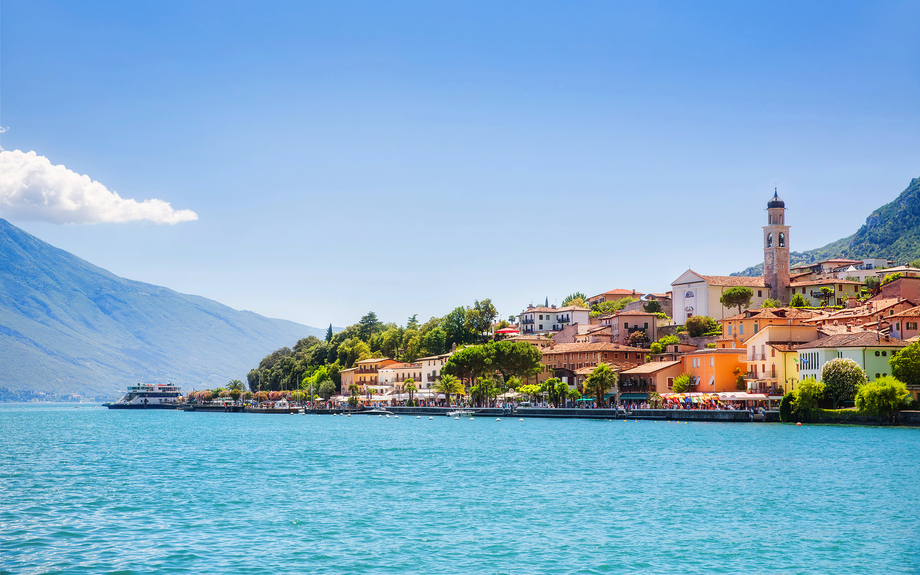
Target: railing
(366,370)
(757,357)
(526,321)
(431,378)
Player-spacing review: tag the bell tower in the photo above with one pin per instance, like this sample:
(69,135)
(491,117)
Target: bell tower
(776,250)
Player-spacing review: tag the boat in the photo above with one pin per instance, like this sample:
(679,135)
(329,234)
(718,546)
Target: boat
(149,396)
(461,413)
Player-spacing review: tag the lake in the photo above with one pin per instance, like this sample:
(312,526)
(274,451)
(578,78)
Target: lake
(89,490)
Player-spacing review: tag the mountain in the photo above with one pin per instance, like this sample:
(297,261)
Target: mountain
(892,231)
(69,327)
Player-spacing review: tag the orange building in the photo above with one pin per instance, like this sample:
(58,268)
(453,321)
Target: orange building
(564,360)
(714,369)
(366,372)
(737,329)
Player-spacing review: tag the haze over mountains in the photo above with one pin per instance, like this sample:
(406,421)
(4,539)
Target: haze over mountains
(892,231)
(69,327)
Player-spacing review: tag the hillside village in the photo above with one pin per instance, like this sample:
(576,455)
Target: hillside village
(737,337)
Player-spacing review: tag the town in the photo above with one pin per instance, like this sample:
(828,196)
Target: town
(709,339)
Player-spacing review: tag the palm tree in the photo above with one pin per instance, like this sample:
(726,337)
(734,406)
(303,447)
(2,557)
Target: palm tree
(353,400)
(409,386)
(448,385)
(235,384)
(600,380)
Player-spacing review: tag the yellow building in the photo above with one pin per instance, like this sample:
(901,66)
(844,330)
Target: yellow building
(737,329)
(366,373)
(771,357)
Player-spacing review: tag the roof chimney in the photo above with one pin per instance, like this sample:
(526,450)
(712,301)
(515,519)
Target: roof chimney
(849,327)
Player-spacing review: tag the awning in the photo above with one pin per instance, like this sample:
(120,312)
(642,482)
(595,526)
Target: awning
(633,396)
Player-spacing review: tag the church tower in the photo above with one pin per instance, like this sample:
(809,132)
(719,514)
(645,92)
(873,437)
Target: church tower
(776,250)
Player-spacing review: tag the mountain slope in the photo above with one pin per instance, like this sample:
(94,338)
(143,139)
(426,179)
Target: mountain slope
(69,327)
(892,231)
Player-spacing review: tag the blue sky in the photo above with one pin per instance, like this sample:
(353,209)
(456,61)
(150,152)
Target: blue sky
(412,157)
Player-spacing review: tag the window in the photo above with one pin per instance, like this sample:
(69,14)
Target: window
(712,361)
(688,294)
(770,240)
(877,354)
(782,240)
(772,352)
(756,327)
(729,330)
(877,375)
(774,370)
(646,325)
(884,354)
(670,382)
(759,293)
(741,329)
(541,326)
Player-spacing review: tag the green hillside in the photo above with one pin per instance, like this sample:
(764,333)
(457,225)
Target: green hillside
(892,231)
(69,327)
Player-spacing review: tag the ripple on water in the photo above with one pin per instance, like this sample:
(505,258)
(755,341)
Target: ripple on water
(166,492)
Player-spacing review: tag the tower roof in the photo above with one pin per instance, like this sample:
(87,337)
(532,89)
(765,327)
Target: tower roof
(775,201)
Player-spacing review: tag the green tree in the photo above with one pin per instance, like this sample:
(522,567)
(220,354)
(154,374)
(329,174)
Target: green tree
(235,393)
(653,306)
(668,340)
(433,342)
(740,384)
(329,333)
(412,323)
(601,379)
(479,319)
(326,389)
(448,385)
(842,377)
(682,383)
(699,325)
(905,364)
(517,358)
(608,307)
(468,363)
(578,298)
(656,348)
(455,327)
(826,294)
(798,300)
(409,387)
(807,396)
(882,396)
(235,384)
(368,326)
(253,378)
(771,303)
(390,341)
(739,297)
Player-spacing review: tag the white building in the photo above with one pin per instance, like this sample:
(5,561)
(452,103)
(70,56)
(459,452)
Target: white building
(544,319)
(696,294)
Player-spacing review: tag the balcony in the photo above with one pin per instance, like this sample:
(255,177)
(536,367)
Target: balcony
(432,378)
(527,321)
(757,357)
(366,370)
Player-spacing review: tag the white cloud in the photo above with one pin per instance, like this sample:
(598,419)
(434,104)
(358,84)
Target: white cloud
(31,188)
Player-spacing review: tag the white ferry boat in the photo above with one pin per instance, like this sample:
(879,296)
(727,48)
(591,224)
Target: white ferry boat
(149,396)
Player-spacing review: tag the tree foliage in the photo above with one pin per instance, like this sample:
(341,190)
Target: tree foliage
(771,303)
(842,378)
(882,396)
(654,306)
(599,381)
(578,298)
(738,296)
(807,396)
(905,365)
(608,307)
(798,301)
(700,325)
(682,383)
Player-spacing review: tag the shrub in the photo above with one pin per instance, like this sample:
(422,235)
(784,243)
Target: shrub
(656,348)
(787,408)
(711,345)
(882,396)
(842,377)
(682,383)
(905,365)
(798,300)
(699,325)
(807,396)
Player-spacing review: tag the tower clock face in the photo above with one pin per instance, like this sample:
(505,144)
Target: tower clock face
(768,258)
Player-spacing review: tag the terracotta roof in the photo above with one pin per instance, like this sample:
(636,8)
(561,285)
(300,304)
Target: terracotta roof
(658,295)
(855,339)
(619,291)
(539,309)
(829,281)
(396,365)
(841,329)
(572,308)
(723,350)
(782,346)
(375,360)
(650,367)
(599,346)
(734,281)
(912,312)
(616,367)
(634,312)
(772,313)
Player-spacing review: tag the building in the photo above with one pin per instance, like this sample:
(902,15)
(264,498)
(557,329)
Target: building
(871,312)
(907,286)
(348,379)
(811,290)
(550,319)
(697,294)
(431,369)
(394,375)
(739,328)
(714,370)
(871,350)
(772,359)
(673,352)
(367,371)
(614,295)
(903,325)
(776,250)
(656,376)
(591,334)
(565,359)
(623,324)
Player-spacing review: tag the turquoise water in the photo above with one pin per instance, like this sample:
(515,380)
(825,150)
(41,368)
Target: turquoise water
(96,491)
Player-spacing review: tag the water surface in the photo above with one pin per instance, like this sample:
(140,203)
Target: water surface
(89,490)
